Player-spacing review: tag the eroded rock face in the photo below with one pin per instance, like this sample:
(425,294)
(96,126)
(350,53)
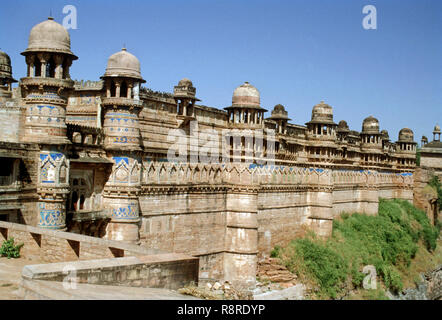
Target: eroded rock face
(429,289)
(272,270)
(434,288)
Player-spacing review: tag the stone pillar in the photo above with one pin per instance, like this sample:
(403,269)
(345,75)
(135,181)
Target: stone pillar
(120,198)
(43,59)
(117,88)
(59,67)
(241,243)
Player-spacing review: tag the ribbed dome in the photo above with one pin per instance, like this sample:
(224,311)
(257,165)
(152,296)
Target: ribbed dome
(436,129)
(279,112)
(5,67)
(246,95)
(185,83)
(370,125)
(406,135)
(49,36)
(123,64)
(322,113)
(343,126)
(384,134)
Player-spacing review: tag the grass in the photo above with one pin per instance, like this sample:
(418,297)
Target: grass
(389,241)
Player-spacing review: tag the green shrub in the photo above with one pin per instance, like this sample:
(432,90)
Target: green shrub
(388,241)
(9,250)
(275,252)
(327,267)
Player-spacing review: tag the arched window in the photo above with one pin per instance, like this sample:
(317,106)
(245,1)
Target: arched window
(74,201)
(50,68)
(123,90)
(113,89)
(82,202)
(37,68)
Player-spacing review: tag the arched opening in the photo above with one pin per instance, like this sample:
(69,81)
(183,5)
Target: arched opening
(82,202)
(113,89)
(37,68)
(66,63)
(74,201)
(123,90)
(50,68)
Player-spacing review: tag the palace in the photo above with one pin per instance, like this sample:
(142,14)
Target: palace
(115,160)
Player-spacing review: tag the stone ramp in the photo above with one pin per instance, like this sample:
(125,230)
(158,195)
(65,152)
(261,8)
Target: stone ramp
(54,290)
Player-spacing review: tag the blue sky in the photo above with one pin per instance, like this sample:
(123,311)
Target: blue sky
(295,52)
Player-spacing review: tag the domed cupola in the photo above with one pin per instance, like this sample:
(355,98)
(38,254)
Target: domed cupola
(184,95)
(406,141)
(406,135)
(385,135)
(321,124)
(343,126)
(49,51)
(122,103)
(6,78)
(436,133)
(280,116)
(48,83)
(123,64)
(246,108)
(370,125)
(49,36)
(370,135)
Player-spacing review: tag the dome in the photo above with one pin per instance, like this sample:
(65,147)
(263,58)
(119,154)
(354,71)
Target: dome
(424,138)
(123,64)
(370,125)
(406,135)
(279,113)
(384,134)
(343,126)
(49,36)
(185,83)
(436,129)
(185,89)
(322,113)
(5,67)
(246,95)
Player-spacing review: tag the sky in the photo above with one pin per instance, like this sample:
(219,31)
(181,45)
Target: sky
(295,52)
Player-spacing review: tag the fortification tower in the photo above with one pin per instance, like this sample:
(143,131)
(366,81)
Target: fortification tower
(6,78)
(121,108)
(371,142)
(45,90)
(406,148)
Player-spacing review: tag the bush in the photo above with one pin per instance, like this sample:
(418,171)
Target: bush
(9,250)
(275,252)
(389,241)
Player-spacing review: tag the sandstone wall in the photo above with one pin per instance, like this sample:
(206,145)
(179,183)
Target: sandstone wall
(231,215)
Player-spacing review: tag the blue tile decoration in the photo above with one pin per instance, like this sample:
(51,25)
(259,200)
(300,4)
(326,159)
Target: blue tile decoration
(126,212)
(119,159)
(51,215)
